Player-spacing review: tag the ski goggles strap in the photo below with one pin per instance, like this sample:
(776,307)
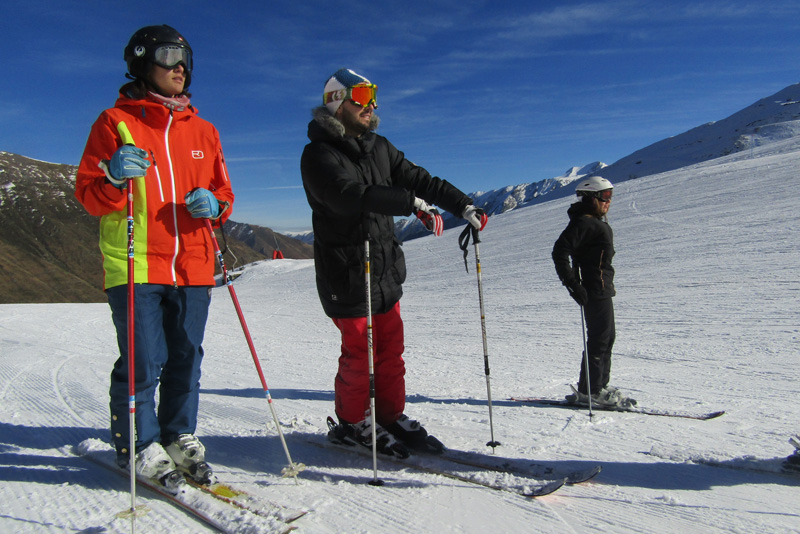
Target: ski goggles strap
(170,56)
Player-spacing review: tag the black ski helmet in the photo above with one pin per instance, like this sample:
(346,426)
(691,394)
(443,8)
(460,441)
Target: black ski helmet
(139,53)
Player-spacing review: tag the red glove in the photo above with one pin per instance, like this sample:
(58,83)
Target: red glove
(429,216)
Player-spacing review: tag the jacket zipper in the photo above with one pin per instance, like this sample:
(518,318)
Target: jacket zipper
(174,201)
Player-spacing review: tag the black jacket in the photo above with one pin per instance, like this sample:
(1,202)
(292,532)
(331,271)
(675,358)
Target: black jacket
(589,242)
(356,186)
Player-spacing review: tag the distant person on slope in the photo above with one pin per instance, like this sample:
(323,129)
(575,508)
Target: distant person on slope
(355,182)
(179,178)
(589,277)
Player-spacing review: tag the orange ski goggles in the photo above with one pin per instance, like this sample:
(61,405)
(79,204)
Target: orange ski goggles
(361,95)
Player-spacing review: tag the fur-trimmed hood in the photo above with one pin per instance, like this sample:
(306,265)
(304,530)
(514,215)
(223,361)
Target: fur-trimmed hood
(332,126)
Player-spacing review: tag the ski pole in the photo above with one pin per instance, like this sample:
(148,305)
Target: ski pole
(586,361)
(293,469)
(371,362)
(127,139)
(464,243)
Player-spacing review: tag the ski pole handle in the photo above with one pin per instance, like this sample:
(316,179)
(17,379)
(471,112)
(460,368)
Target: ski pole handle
(125,134)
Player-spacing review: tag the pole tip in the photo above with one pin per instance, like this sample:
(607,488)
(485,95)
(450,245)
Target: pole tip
(376,482)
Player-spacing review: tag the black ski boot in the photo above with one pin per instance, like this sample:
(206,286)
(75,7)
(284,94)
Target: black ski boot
(792,462)
(414,436)
(360,434)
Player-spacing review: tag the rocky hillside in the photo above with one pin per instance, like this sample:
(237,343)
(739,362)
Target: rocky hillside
(48,243)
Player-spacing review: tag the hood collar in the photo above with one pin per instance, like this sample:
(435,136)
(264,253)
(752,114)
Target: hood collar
(332,126)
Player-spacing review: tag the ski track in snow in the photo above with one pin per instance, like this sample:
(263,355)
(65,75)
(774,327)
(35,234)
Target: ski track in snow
(707,262)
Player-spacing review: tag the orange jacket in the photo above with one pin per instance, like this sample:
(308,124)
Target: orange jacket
(170,247)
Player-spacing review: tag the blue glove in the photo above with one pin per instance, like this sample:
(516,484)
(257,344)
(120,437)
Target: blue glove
(126,163)
(202,204)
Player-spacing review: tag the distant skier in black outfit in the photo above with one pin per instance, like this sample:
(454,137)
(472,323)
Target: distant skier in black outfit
(582,256)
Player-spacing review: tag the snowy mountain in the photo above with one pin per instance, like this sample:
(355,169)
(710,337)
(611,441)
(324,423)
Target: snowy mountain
(706,316)
(502,200)
(771,119)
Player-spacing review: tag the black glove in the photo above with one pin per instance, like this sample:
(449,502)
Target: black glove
(578,293)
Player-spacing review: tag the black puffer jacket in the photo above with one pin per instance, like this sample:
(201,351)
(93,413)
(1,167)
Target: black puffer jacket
(355,186)
(589,241)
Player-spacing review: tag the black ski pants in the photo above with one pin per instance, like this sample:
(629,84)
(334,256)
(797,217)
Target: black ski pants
(600,335)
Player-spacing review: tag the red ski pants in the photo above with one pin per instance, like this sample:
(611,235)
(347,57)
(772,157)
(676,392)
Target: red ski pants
(352,380)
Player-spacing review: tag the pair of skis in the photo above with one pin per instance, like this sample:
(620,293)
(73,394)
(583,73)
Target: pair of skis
(564,403)
(522,477)
(221,506)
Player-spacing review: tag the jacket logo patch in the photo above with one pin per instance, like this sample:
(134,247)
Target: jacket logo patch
(197,154)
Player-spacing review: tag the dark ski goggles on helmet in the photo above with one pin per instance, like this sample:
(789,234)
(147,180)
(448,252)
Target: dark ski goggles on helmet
(170,56)
(604,195)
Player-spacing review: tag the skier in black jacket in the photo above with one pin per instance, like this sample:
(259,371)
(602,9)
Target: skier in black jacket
(589,243)
(356,182)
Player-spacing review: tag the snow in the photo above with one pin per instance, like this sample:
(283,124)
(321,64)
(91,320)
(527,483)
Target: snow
(707,274)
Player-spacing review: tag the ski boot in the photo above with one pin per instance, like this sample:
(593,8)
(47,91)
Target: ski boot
(154,463)
(414,436)
(189,456)
(612,397)
(360,434)
(792,462)
(609,398)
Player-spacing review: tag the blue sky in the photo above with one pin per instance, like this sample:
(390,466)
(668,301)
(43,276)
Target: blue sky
(482,93)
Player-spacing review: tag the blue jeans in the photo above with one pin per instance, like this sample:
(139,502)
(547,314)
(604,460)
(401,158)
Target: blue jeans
(169,327)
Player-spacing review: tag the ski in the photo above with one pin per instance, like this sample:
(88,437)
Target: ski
(488,478)
(243,500)
(789,467)
(539,471)
(437,464)
(217,513)
(631,409)
(773,466)
(521,467)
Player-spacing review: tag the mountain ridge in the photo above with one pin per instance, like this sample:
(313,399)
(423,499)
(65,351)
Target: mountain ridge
(49,244)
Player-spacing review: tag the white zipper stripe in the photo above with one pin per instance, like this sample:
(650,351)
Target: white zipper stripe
(174,201)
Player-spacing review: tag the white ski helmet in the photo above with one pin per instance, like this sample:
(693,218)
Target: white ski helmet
(593,184)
